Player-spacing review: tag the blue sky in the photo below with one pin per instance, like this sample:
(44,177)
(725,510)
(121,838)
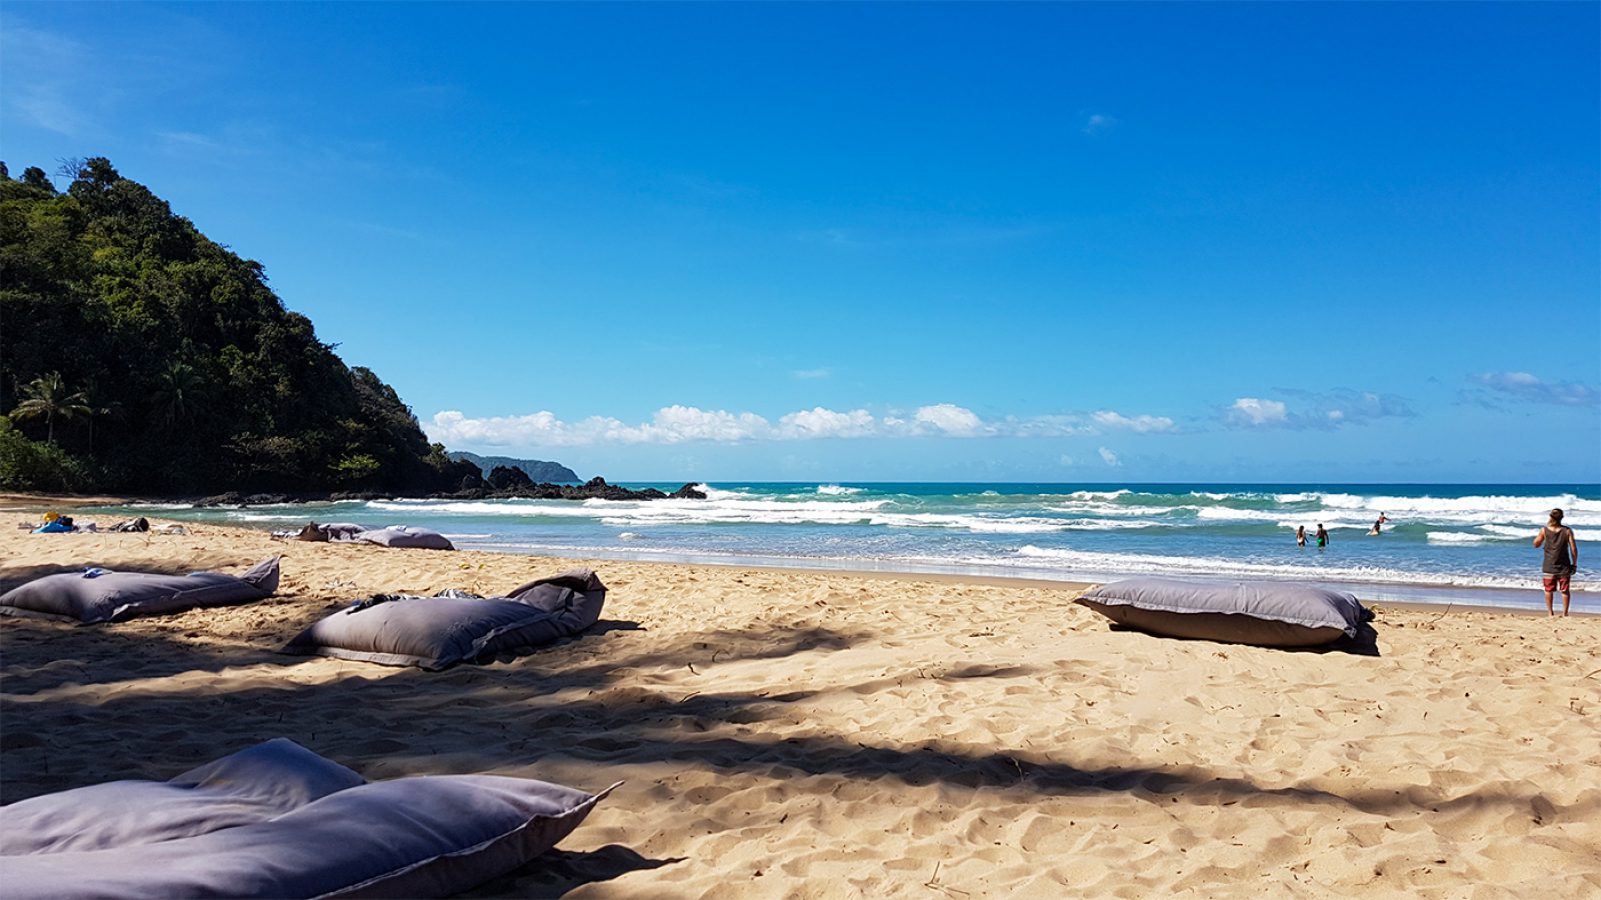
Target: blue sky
(1112,242)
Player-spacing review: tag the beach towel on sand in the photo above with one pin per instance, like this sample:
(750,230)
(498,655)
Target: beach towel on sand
(276,820)
(1266,613)
(96,595)
(440,631)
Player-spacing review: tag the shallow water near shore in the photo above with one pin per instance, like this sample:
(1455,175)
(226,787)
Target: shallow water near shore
(1463,544)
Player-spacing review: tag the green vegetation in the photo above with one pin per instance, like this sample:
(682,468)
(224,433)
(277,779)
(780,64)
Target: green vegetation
(137,355)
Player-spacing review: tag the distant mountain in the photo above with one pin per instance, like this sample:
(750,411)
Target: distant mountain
(537,469)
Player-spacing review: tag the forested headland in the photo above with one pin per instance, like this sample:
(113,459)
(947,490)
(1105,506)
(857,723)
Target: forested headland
(139,356)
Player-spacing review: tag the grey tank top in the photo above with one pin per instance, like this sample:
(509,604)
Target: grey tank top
(1557,560)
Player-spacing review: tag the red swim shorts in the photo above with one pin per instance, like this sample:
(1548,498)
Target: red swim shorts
(1557,583)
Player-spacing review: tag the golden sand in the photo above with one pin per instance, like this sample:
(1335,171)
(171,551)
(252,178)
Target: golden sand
(815,734)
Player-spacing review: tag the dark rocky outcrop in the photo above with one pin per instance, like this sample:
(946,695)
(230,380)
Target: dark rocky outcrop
(505,478)
(504,483)
(594,489)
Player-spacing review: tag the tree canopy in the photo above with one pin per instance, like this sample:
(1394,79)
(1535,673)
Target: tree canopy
(151,359)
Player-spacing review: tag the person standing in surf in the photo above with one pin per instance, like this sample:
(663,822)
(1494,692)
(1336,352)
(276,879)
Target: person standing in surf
(1300,535)
(1322,536)
(1561,560)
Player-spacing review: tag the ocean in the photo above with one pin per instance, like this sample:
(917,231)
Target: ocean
(1463,544)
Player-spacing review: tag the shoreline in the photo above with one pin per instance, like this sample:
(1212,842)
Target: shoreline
(1415,594)
(1385,596)
(1419,595)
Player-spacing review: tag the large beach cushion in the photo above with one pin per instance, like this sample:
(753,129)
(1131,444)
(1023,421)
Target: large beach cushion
(253,785)
(1266,613)
(411,837)
(407,536)
(96,595)
(440,631)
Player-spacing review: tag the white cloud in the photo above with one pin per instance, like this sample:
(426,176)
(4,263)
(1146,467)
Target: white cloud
(1066,460)
(1117,421)
(1534,389)
(811,374)
(674,424)
(951,419)
(1046,426)
(1110,457)
(826,423)
(1098,123)
(679,424)
(1257,412)
(1337,408)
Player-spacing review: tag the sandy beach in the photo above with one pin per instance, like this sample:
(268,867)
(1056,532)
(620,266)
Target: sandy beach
(807,734)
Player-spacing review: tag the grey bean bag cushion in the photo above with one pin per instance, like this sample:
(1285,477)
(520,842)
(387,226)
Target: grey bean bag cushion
(341,531)
(440,631)
(1266,613)
(410,837)
(406,536)
(96,595)
(253,785)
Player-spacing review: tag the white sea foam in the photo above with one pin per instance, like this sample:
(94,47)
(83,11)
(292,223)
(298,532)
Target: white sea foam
(1472,509)
(811,513)
(980,524)
(473,507)
(1512,531)
(835,506)
(1110,524)
(1528,532)
(245,515)
(1276,516)
(1328,524)
(1461,537)
(1104,562)
(1108,509)
(144,505)
(1097,495)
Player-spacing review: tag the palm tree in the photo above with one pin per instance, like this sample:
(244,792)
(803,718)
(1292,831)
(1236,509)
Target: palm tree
(97,406)
(179,393)
(48,396)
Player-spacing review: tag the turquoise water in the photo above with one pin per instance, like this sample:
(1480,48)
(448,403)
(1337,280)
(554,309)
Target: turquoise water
(1444,543)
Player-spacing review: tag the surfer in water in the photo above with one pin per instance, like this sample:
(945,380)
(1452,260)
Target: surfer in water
(1377,526)
(1322,536)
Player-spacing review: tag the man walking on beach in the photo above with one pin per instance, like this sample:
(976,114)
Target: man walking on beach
(1561,560)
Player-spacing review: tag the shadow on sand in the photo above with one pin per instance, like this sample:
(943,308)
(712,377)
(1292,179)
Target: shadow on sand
(563,712)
